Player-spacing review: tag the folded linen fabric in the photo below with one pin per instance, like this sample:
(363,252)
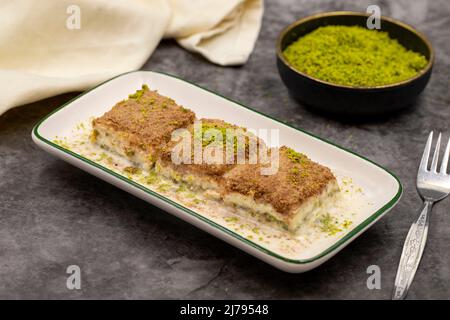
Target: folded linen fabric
(51,47)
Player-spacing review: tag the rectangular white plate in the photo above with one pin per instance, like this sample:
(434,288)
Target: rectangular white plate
(381,188)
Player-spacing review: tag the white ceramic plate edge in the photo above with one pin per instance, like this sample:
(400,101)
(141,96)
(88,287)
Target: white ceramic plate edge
(280,262)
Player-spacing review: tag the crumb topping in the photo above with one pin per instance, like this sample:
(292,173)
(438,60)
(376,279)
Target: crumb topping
(298,178)
(214,170)
(148,117)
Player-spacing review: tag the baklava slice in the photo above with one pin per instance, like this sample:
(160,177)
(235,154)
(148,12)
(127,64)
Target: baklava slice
(296,190)
(140,126)
(200,155)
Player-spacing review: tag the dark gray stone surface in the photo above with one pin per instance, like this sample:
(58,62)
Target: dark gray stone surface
(53,215)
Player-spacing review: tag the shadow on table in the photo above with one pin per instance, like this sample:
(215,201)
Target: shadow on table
(359,120)
(25,117)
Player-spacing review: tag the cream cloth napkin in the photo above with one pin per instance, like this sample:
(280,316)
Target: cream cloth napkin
(49,47)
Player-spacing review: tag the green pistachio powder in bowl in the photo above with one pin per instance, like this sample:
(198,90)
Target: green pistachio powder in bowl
(353,56)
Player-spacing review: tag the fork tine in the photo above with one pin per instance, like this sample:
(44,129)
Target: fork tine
(436,155)
(426,153)
(445,160)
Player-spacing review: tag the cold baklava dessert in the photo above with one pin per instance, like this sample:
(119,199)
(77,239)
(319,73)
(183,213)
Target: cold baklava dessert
(140,126)
(215,158)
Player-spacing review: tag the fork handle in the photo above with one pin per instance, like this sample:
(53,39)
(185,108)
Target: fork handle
(412,252)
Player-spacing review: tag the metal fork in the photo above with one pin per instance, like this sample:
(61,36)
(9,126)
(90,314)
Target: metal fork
(432,186)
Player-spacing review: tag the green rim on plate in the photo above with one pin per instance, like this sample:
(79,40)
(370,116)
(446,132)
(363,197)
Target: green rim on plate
(330,249)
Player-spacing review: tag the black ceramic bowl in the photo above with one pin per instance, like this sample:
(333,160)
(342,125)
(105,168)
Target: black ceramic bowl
(346,100)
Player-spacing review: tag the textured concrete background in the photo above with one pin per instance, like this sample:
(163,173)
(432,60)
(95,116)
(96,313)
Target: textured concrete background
(53,215)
